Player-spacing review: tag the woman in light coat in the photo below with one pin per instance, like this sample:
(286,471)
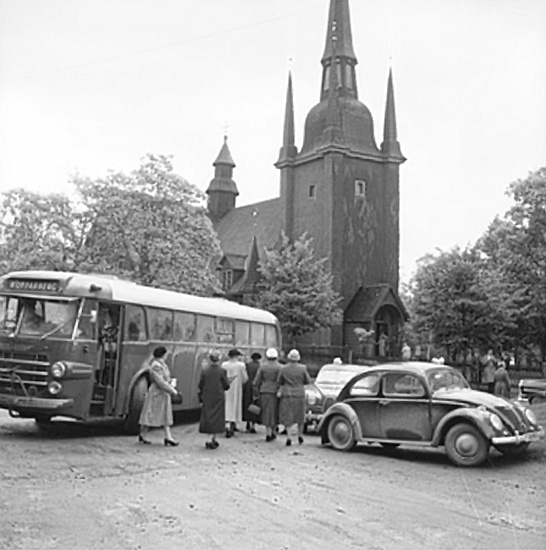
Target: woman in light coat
(237,377)
(157,411)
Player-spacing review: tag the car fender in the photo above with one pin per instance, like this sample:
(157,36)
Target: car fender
(339,409)
(477,417)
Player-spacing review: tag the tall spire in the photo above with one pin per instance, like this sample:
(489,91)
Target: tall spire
(390,146)
(342,57)
(288,149)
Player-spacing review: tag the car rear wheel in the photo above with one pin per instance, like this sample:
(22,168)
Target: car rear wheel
(536,399)
(512,450)
(341,434)
(465,445)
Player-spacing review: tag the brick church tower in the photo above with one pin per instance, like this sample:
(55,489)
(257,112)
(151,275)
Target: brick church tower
(343,191)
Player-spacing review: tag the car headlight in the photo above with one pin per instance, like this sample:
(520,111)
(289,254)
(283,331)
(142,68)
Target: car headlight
(312,396)
(496,422)
(54,388)
(531,416)
(58,370)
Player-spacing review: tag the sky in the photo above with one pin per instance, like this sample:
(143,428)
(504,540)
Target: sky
(89,86)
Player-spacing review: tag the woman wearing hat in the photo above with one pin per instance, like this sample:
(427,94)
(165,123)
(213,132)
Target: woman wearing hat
(292,380)
(237,376)
(267,383)
(212,385)
(250,395)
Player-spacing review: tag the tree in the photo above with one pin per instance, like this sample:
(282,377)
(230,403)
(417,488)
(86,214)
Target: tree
(515,251)
(450,307)
(40,232)
(297,288)
(151,227)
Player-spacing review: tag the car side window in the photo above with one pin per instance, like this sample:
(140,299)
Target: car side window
(402,385)
(367,386)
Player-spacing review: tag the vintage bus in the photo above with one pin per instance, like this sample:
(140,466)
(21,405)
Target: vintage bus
(79,346)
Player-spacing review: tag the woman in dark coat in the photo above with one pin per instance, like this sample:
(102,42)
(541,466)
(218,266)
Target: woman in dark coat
(212,385)
(502,381)
(250,394)
(266,382)
(157,411)
(292,380)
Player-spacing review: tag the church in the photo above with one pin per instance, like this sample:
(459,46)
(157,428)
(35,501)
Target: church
(342,190)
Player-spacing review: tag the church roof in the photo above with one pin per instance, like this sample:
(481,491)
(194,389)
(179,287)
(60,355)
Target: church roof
(239,226)
(367,301)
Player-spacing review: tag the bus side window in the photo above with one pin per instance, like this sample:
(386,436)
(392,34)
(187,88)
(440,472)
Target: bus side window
(225,331)
(184,327)
(242,333)
(257,335)
(205,328)
(161,324)
(271,339)
(135,329)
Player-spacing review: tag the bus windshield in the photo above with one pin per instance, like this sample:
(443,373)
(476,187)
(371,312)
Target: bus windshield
(41,317)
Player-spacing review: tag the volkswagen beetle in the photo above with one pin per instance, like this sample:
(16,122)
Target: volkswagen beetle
(430,405)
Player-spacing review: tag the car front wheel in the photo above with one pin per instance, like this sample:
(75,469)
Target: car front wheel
(465,445)
(341,434)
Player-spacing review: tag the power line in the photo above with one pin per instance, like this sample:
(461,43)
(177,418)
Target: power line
(158,48)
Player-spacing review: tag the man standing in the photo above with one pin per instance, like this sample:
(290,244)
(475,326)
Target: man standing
(237,376)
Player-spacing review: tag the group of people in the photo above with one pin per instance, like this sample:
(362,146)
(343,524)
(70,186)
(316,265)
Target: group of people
(495,375)
(268,392)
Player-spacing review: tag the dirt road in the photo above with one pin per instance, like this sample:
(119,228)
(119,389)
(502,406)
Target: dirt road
(88,487)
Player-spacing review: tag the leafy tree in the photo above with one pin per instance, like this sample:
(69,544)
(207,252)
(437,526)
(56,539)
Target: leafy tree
(40,232)
(449,305)
(150,226)
(515,251)
(297,288)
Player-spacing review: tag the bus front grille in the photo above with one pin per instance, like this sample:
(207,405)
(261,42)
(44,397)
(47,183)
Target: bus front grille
(23,373)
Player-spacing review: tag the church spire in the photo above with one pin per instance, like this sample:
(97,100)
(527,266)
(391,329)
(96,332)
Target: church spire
(390,146)
(288,150)
(342,57)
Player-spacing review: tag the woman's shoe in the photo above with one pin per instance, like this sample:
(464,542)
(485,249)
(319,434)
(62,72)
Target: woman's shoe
(209,445)
(269,438)
(288,442)
(143,441)
(300,440)
(170,443)
(215,444)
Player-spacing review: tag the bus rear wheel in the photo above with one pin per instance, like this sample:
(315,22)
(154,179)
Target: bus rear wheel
(138,395)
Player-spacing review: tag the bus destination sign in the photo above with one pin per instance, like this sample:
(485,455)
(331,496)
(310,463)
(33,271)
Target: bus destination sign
(34,285)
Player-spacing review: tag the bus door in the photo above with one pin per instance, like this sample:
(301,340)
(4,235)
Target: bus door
(108,358)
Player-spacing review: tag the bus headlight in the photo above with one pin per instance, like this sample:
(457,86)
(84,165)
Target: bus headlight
(54,388)
(58,370)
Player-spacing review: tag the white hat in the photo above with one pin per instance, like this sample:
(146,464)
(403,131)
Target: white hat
(293,355)
(272,353)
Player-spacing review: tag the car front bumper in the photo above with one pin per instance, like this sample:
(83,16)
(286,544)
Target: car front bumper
(519,438)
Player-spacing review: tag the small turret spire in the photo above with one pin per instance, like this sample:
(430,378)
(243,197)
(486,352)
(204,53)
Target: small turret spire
(390,146)
(288,149)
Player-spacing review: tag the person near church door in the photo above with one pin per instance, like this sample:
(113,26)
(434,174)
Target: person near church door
(237,376)
(292,380)
(157,411)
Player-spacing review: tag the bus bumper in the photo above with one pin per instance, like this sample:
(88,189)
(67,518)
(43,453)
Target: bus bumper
(37,405)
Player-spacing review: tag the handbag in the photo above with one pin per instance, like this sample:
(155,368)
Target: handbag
(254,409)
(176,398)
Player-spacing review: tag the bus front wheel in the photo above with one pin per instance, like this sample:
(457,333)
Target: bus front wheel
(138,395)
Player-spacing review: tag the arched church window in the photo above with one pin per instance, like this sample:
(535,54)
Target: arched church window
(349,76)
(312,191)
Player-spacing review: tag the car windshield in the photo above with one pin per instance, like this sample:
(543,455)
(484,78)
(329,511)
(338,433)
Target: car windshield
(41,317)
(336,377)
(446,379)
